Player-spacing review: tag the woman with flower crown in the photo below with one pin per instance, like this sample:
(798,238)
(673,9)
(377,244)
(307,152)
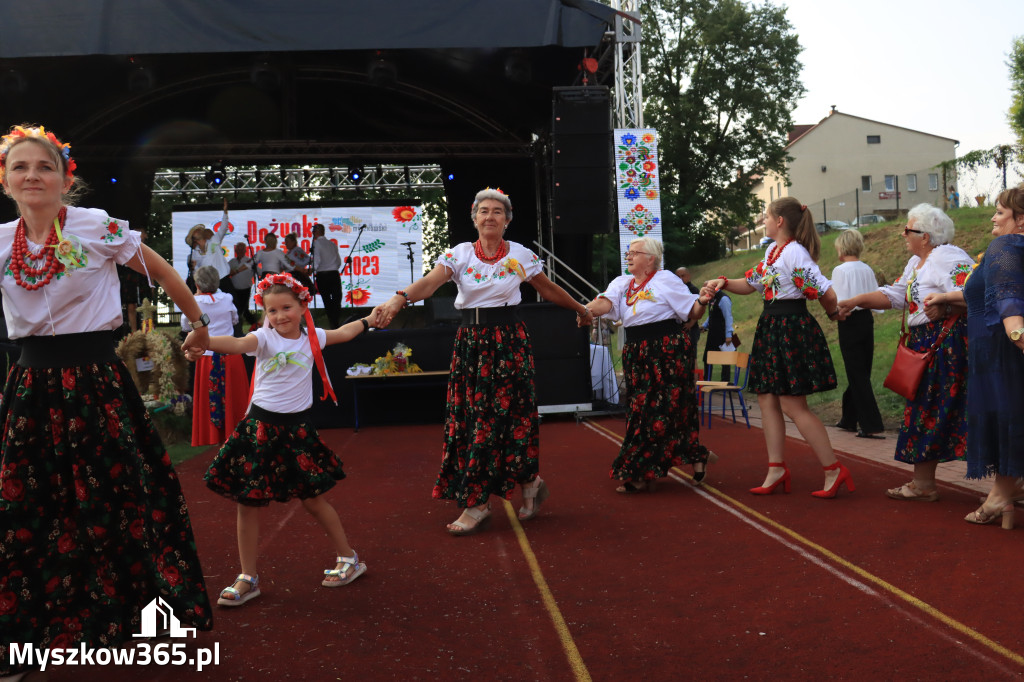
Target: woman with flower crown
(662,427)
(93,524)
(790,357)
(491,441)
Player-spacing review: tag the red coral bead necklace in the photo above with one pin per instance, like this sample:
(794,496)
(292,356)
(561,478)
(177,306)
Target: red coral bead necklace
(22,269)
(633,289)
(502,251)
(777,252)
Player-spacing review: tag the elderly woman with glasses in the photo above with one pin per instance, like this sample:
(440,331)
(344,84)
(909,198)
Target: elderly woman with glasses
(662,425)
(934,427)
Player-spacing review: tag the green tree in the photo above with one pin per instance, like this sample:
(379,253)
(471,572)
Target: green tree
(1016,65)
(721,80)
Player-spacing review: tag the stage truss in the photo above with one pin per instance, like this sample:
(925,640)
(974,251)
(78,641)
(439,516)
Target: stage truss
(325,180)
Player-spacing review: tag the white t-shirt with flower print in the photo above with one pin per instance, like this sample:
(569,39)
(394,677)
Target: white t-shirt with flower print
(794,275)
(664,297)
(81,299)
(945,269)
(489,285)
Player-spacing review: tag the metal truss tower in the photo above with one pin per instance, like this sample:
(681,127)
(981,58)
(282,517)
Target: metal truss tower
(629,98)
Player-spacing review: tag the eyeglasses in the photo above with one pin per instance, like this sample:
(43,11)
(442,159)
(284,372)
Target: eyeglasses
(907,230)
(630,254)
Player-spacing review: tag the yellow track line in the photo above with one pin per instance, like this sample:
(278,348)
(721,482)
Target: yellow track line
(927,608)
(579,668)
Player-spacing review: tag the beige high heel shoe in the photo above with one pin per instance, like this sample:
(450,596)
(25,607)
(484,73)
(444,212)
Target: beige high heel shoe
(983,516)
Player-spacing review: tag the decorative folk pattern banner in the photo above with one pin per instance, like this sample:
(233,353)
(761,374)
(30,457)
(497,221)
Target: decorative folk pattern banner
(637,187)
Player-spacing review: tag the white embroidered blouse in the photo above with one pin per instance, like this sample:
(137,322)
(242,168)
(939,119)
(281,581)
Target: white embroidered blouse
(489,285)
(946,269)
(284,371)
(84,299)
(794,275)
(664,297)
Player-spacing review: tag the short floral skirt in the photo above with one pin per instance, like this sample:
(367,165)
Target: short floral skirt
(934,427)
(790,356)
(273,458)
(93,523)
(662,424)
(492,429)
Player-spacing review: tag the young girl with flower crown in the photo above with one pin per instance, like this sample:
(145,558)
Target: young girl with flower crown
(275,453)
(790,357)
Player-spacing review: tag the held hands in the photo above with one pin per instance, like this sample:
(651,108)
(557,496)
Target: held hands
(196,343)
(584,318)
(844,309)
(386,311)
(935,307)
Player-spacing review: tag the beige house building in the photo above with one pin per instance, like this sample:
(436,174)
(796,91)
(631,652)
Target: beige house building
(845,166)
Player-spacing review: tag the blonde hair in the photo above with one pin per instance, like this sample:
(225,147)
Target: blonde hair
(652,246)
(850,243)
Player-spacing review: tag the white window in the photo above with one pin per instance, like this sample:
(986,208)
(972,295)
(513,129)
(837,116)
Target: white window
(778,189)
(865,183)
(933,182)
(912,182)
(771,194)
(890,183)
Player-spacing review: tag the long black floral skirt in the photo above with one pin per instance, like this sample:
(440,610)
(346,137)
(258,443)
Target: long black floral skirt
(264,462)
(790,356)
(492,429)
(93,524)
(662,425)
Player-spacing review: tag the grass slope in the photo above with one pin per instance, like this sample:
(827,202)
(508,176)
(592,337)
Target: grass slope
(885,252)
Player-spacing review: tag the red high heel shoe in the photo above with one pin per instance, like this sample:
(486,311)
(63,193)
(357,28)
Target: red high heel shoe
(785,480)
(843,477)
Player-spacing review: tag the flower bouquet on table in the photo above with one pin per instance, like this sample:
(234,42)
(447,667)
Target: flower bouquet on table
(396,361)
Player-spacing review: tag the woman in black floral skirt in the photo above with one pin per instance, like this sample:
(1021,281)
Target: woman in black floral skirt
(491,441)
(93,525)
(662,427)
(790,357)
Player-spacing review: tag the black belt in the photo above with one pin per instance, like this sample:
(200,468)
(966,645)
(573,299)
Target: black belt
(67,350)
(786,306)
(652,331)
(280,418)
(504,315)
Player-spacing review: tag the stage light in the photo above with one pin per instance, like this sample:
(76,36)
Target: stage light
(356,172)
(451,176)
(382,71)
(113,181)
(215,176)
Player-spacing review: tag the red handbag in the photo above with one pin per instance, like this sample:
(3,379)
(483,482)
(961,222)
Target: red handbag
(909,365)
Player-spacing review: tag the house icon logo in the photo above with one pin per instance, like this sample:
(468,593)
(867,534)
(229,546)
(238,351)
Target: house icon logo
(158,619)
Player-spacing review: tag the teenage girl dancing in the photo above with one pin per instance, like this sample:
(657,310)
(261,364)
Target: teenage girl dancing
(790,357)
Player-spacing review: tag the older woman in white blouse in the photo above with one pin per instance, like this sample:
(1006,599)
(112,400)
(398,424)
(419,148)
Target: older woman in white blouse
(491,426)
(934,427)
(662,426)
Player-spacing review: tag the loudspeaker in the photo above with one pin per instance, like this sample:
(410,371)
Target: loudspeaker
(582,192)
(561,353)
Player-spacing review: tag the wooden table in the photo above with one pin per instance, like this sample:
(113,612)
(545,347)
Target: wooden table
(392,381)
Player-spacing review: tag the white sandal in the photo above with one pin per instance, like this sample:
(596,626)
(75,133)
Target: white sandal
(539,493)
(481,516)
(351,563)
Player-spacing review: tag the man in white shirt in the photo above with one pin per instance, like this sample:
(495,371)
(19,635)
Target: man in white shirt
(326,267)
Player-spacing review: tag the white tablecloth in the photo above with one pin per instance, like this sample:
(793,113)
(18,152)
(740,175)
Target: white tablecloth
(602,374)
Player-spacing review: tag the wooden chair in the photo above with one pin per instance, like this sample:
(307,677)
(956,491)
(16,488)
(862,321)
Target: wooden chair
(741,365)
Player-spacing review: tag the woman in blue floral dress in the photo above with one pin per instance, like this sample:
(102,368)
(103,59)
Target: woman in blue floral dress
(491,441)
(790,357)
(934,427)
(93,524)
(662,426)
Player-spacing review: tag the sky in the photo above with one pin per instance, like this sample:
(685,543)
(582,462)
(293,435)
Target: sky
(937,67)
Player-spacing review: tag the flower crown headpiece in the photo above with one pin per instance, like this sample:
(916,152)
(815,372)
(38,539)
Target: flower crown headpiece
(301,292)
(17,132)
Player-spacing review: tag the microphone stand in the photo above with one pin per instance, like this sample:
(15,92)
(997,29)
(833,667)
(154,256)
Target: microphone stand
(412,260)
(348,262)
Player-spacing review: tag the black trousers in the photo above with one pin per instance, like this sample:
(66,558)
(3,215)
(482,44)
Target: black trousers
(241,297)
(328,283)
(857,344)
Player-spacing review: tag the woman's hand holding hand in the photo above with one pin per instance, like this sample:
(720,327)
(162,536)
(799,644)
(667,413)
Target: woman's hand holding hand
(935,306)
(196,343)
(585,318)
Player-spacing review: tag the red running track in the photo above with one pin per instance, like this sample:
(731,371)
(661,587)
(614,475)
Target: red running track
(680,584)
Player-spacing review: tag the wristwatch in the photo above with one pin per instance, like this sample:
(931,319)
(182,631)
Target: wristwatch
(203,321)
(1016,334)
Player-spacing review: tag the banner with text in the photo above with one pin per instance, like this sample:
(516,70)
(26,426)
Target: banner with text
(636,186)
(384,242)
